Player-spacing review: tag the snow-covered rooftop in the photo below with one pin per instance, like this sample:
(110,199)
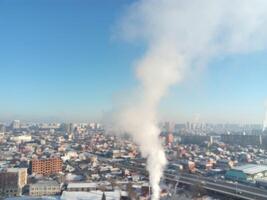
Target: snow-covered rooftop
(93,195)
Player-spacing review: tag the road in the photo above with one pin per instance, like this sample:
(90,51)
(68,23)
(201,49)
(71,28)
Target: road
(235,190)
(232,189)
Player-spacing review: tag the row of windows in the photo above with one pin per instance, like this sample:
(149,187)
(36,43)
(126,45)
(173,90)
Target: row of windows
(46,162)
(80,189)
(43,193)
(46,169)
(47,166)
(11,191)
(45,188)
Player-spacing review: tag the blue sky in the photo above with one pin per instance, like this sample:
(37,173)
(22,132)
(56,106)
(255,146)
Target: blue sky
(59,61)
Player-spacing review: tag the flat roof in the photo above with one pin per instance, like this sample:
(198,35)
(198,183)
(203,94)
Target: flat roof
(82,185)
(33,198)
(93,195)
(16,169)
(251,168)
(45,183)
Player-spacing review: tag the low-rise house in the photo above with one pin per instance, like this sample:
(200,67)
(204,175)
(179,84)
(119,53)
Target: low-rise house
(82,186)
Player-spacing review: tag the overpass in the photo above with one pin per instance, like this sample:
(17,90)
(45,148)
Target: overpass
(236,190)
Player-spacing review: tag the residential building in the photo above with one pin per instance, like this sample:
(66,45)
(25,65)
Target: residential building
(44,188)
(46,166)
(12,180)
(248,172)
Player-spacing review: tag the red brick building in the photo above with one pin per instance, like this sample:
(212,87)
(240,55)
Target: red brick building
(46,166)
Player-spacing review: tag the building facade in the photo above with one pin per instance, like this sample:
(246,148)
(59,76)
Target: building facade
(44,188)
(46,166)
(242,140)
(247,172)
(196,139)
(12,180)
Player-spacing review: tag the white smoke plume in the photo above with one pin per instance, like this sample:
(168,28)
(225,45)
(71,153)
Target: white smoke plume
(181,35)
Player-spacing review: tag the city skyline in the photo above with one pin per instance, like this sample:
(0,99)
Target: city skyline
(133,99)
(74,67)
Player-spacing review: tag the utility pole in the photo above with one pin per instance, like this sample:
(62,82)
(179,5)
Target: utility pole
(175,188)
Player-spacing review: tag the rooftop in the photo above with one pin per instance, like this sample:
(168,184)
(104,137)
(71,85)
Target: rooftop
(251,168)
(93,195)
(82,185)
(45,183)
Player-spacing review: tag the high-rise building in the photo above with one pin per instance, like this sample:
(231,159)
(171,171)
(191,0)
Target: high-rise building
(188,126)
(2,128)
(179,127)
(167,127)
(47,126)
(21,138)
(12,180)
(169,138)
(46,166)
(196,139)
(15,124)
(240,139)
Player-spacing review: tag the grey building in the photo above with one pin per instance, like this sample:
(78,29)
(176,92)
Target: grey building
(44,188)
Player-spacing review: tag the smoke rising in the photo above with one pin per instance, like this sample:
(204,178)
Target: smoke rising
(180,36)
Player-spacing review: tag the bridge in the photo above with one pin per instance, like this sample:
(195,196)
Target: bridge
(230,189)
(236,190)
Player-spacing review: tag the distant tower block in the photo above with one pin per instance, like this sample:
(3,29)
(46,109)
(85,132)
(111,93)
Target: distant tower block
(15,124)
(169,138)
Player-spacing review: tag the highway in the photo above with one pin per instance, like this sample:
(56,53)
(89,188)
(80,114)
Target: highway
(231,189)
(235,190)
